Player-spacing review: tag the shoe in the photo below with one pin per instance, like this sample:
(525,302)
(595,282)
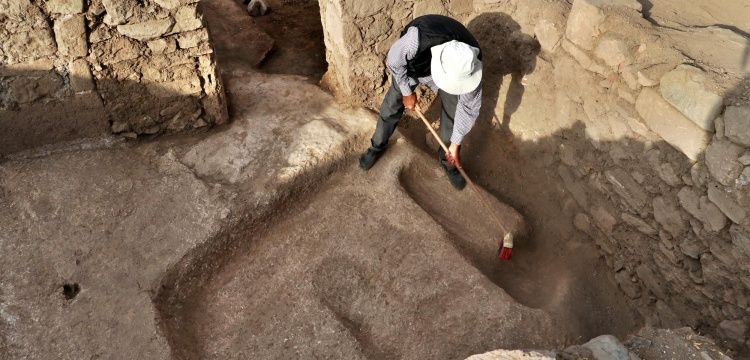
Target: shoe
(368,159)
(455,177)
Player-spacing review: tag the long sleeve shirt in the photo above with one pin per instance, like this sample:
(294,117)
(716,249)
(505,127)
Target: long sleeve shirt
(467,109)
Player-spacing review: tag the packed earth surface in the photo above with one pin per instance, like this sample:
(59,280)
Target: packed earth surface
(179,180)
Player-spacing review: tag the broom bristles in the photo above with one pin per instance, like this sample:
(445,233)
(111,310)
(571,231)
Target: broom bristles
(506,247)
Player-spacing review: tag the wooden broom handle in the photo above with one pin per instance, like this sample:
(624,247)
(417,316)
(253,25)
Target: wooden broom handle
(459,167)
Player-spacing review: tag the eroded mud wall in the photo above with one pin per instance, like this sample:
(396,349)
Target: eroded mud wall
(650,116)
(75,68)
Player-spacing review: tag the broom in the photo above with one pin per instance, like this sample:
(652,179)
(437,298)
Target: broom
(506,243)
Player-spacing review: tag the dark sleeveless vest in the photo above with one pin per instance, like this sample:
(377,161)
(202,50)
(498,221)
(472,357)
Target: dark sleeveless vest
(435,30)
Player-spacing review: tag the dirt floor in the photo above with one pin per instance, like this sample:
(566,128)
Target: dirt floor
(340,261)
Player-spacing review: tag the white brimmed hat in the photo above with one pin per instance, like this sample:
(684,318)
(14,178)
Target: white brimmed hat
(455,67)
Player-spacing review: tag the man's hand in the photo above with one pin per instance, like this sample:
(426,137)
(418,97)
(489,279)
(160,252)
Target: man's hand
(410,101)
(452,157)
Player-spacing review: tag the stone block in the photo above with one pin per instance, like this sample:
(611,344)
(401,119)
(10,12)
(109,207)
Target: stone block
(726,204)
(80,76)
(186,19)
(668,215)
(29,45)
(607,347)
(722,161)
(614,52)
(425,7)
(192,38)
(146,30)
(115,50)
(686,88)
(740,238)
(745,159)
(119,11)
(737,124)
(638,223)
(548,35)
(713,218)
(162,46)
(576,189)
(584,21)
(671,125)
(15,9)
(65,6)
(628,189)
(70,34)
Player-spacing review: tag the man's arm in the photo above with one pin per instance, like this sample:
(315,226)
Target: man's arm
(467,111)
(401,51)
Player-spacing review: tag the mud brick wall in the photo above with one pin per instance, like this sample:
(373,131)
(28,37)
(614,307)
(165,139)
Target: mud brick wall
(73,68)
(652,125)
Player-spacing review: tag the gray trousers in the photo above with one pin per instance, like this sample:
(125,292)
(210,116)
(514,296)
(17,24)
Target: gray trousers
(393,108)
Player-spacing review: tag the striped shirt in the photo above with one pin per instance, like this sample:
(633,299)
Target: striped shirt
(405,49)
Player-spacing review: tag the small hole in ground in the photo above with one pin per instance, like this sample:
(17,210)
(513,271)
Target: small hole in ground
(70,291)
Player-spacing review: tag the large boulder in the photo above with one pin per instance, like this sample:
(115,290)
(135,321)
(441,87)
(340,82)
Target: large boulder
(686,88)
(671,125)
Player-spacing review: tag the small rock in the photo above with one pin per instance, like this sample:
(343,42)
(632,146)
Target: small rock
(667,214)
(699,174)
(644,80)
(625,186)
(584,21)
(713,218)
(639,224)
(548,35)
(628,286)
(257,8)
(120,126)
(734,330)
(722,163)
(737,124)
(186,19)
(603,219)
(745,159)
(728,206)
(582,222)
(692,247)
(607,347)
(146,30)
(614,52)
(744,178)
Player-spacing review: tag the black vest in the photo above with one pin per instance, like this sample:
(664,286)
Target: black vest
(435,30)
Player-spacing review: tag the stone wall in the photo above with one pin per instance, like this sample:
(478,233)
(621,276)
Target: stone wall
(652,125)
(75,68)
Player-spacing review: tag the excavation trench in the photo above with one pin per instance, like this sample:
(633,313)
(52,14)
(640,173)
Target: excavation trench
(393,263)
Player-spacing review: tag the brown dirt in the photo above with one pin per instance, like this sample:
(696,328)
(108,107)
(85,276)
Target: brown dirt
(359,269)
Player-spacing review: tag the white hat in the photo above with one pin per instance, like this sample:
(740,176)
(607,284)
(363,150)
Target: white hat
(455,67)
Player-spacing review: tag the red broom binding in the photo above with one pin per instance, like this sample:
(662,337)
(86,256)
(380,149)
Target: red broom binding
(506,247)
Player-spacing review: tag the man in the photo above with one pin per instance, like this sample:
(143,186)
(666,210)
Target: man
(441,53)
